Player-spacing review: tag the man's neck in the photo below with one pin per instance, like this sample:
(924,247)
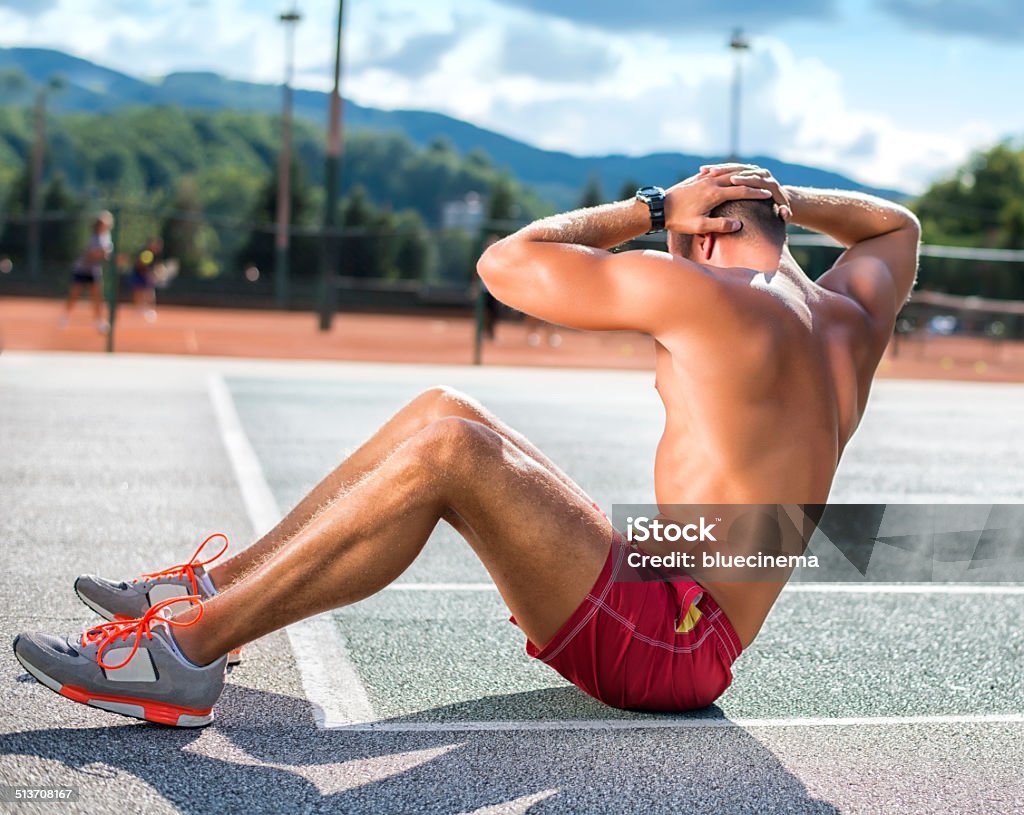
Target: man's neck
(759,258)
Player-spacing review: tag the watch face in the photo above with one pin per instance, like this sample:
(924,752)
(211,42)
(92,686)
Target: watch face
(649,192)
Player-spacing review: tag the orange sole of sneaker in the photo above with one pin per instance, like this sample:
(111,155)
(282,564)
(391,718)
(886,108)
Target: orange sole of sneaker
(159,712)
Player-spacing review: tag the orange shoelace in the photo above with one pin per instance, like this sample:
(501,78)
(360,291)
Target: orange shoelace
(183,570)
(106,633)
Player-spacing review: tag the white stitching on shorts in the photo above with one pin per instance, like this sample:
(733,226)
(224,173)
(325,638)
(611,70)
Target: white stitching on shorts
(596,601)
(676,649)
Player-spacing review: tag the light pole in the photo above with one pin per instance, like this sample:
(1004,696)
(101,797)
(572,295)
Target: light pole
(284,166)
(738,44)
(36,182)
(328,238)
(35,194)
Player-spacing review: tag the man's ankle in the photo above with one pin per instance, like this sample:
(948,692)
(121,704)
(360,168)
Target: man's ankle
(217,577)
(190,646)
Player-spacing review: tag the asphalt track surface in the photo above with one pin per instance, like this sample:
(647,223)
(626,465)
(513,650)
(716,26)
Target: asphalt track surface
(881,699)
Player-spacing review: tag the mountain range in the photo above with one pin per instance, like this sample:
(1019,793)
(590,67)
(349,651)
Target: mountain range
(87,87)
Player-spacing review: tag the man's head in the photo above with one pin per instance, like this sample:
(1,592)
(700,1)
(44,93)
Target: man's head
(762,232)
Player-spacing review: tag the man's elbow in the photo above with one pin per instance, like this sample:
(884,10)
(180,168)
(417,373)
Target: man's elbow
(912,224)
(495,266)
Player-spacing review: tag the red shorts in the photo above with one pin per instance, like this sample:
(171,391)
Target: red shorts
(644,645)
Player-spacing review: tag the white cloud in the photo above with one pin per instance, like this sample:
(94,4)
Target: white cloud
(161,36)
(29,8)
(798,112)
(793,107)
(651,92)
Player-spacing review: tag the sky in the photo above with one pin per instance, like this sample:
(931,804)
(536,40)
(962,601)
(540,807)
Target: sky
(894,93)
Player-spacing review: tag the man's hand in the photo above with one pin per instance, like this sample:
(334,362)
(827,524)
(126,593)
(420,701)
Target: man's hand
(750,175)
(688,203)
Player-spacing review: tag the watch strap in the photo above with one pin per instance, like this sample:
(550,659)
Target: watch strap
(654,197)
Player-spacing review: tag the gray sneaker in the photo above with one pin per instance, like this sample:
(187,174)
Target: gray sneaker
(131,667)
(129,600)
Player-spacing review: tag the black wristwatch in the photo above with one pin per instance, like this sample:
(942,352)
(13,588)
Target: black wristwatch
(654,197)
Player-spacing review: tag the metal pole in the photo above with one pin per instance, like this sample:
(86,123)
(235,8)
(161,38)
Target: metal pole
(738,44)
(328,239)
(478,322)
(284,168)
(36,183)
(112,280)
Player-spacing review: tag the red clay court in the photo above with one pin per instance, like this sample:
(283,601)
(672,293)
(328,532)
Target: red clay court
(31,324)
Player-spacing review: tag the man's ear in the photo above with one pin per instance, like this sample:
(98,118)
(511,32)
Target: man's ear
(707,245)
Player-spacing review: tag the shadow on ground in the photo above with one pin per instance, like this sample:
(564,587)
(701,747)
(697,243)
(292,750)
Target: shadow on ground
(285,764)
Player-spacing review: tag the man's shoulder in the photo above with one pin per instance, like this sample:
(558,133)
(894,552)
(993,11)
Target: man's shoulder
(659,261)
(665,277)
(867,284)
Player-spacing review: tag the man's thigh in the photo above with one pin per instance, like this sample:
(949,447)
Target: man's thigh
(542,542)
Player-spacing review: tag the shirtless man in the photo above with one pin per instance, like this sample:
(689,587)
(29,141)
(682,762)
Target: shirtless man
(764,375)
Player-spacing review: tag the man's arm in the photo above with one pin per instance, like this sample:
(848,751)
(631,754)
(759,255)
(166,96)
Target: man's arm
(560,269)
(879,266)
(848,217)
(881,239)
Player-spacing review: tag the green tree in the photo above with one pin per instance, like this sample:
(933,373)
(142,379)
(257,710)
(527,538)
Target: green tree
(140,153)
(412,254)
(974,207)
(259,248)
(185,235)
(359,254)
(628,189)
(15,231)
(14,85)
(980,204)
(592,194)
(115,170)
(62,232)
(502,208)
(1011,224)
(456,256)
(136,158)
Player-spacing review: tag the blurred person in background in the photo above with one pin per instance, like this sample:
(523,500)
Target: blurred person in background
(144,278)
(87,272)
(534,327)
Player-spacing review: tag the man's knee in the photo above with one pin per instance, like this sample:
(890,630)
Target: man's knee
(441,401)
(453,441)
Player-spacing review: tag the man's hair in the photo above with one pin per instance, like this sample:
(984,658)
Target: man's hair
(759,220)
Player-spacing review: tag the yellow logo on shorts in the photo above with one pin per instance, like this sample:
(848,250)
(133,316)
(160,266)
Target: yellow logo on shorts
(689,620)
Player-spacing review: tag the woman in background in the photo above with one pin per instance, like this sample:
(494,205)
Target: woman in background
(88,272)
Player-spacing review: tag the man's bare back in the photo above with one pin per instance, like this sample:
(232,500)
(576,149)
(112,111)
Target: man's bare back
(764,374)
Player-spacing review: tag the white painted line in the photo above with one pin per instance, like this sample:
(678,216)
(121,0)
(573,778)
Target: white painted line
(259,500)
(904,588)
(441,587)
(328,677)
(795,588)
(675,723)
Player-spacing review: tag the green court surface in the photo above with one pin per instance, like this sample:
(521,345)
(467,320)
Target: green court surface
(881,696)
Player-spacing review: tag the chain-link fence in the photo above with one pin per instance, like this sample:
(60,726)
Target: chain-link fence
(227,262)
(406,266)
